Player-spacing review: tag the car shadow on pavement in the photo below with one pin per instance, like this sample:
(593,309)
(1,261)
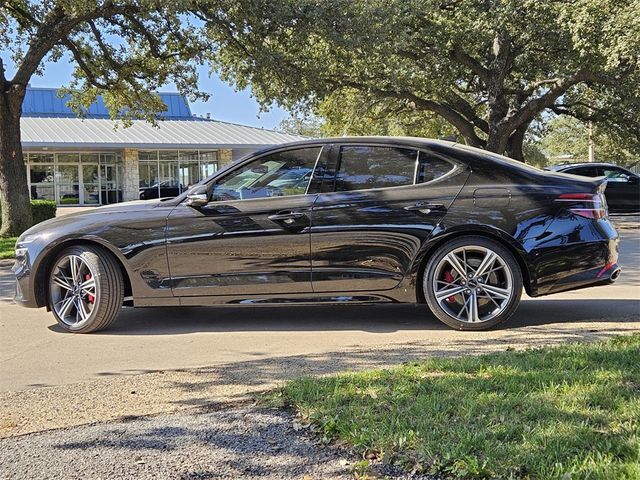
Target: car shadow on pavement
(370,318)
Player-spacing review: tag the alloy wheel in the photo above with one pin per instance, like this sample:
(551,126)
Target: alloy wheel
(73,290)
(472,284)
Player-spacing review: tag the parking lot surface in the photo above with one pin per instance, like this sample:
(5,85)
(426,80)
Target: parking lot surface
(165,360)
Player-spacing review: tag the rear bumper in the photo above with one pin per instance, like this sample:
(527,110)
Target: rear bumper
(584,257)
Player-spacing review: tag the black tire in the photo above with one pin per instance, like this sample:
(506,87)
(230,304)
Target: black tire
(509,273)
(108,289)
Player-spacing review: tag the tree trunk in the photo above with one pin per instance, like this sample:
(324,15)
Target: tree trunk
(516,141)
(15,200)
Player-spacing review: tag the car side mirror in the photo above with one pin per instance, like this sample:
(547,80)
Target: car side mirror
(633,179)
(198,197)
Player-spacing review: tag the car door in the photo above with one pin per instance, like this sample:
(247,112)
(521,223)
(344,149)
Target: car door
(623,189)
(252,237)
(370,220)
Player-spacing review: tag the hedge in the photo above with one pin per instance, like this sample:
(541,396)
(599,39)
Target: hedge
(41,210)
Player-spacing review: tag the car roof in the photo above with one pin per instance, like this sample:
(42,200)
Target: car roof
(413,141)
(477,154)
(583,164)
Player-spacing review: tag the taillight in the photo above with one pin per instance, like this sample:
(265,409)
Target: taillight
(588,205)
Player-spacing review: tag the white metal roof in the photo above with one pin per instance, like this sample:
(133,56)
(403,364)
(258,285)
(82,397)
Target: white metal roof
(105,133)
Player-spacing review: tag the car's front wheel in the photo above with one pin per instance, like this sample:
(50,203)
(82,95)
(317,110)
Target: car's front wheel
(85,289)
(472,283)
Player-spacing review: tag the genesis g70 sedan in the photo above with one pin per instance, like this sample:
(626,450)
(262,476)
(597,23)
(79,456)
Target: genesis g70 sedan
(348,220)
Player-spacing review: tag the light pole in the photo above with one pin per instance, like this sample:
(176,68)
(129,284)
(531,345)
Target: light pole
(592,153)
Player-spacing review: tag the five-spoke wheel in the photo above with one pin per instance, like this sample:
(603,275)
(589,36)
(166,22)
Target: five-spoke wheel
(472,283)
(85,289)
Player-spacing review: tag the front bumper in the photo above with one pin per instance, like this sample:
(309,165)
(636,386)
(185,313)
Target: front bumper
(25,290)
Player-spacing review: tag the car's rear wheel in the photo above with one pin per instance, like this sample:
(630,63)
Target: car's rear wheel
(472,283)
(85,289)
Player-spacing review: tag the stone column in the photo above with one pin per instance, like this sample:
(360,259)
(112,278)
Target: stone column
(130,175)
(225,156)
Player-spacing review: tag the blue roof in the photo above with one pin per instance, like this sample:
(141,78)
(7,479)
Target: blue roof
(45,102)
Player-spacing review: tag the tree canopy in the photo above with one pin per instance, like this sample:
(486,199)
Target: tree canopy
(123,50)
(488,68)
(568,136)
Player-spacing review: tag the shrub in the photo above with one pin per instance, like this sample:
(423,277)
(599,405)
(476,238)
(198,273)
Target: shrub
(41,210)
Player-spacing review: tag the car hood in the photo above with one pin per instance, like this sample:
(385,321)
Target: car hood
(86,213)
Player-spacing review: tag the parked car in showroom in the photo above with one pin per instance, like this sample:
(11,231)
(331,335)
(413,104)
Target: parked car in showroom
(380,220)
(623,186)
(166,189)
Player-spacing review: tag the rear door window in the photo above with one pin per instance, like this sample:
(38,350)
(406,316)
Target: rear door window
(584,171)
(363,167)
(615,174)
(431,167)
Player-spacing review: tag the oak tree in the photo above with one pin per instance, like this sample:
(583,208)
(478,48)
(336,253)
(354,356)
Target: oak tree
(489,68)
(122,50)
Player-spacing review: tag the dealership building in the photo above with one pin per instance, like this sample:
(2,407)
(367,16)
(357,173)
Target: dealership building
(96,161)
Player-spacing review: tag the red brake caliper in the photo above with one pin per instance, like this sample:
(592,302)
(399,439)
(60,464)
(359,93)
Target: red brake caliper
(90,297)
(449,279)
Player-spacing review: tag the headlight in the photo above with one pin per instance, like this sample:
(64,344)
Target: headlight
(21,252)
(28,238)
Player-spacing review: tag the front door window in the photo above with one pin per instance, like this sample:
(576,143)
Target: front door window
(277,175)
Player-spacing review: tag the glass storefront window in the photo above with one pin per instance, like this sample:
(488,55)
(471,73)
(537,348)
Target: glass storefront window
(41,173)
(75,178)
(68,184)
(147,155)
(168,155)
(39,157)
(89,157)
(41,182)
(148,172)
(168,176)
(208,163)
(67,157)
(167,173)
(189,174)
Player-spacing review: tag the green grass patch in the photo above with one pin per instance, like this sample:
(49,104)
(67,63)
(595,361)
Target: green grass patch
(7,247)
(565,412)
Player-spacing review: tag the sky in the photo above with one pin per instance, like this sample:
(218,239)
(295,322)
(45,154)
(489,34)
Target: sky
(224,103)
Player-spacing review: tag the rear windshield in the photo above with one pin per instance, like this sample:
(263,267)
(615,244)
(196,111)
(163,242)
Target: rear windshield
(500,158)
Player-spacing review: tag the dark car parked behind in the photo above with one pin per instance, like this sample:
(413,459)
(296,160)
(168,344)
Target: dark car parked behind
(623,186)
(343,220)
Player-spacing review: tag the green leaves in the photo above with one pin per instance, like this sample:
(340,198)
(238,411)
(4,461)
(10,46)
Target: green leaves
(123,50)
(486,68)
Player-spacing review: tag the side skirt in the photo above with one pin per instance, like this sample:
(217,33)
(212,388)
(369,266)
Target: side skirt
(403,293)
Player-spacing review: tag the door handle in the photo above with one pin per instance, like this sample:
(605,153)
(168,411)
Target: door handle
(426,207)
(286,217)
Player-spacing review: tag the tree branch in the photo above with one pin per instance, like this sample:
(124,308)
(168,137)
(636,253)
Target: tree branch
(462,57)
(86,69)
(528,111)
(464,126)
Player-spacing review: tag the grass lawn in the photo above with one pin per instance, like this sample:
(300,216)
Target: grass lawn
(7,247)
(566,412)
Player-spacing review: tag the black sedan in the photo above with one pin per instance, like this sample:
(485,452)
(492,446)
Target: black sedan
(623,187)
(378,220)
(162,190)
